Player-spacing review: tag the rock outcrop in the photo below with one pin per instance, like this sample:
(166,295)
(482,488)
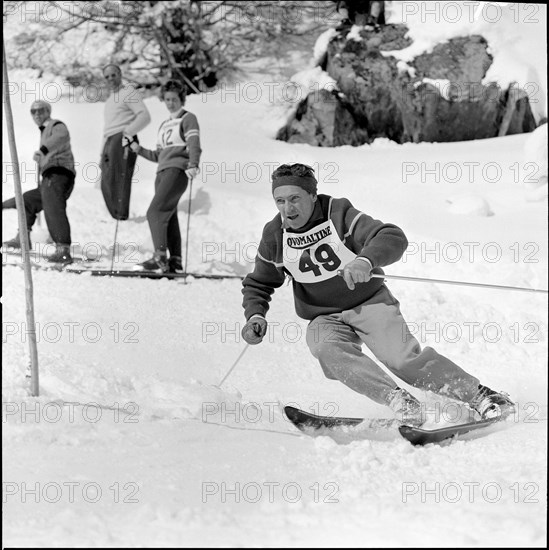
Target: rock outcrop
(439,96)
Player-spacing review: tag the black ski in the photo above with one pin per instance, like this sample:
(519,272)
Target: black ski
(152,274)
(14,257)
(420,436)
(80,266)
(308,422)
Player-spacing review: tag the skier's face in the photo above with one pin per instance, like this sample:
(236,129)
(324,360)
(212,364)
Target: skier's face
(294,204)
(113,77)
(173,101)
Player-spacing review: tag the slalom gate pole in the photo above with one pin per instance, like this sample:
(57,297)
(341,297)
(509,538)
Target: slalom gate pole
(114,245)
(234,365)
(188,228)
(23,233)
(459,283)
(39,215)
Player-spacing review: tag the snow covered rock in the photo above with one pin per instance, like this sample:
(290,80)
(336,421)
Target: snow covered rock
(387,87)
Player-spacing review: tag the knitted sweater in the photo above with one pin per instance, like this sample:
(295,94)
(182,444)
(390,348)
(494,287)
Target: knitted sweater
(312,256)
(125,112)
(178,144)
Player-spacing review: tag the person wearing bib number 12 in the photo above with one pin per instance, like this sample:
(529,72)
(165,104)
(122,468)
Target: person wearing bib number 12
(329,249)
(178,155)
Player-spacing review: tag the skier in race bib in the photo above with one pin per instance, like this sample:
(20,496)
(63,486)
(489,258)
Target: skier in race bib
(178,155)
(330,250)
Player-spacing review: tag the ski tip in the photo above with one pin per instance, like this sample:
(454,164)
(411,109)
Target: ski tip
(291,412)
(422,436)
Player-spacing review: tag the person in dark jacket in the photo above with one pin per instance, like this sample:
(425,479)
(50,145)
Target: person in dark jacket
(330,250)
(55,163)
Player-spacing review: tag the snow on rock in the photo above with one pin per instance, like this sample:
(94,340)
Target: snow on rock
(442,85)
(321,45)
(469,204)
(404,67)
(516,35)
(311,80)
(354,33)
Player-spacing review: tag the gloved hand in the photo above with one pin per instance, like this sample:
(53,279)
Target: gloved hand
(254,330)
(134,146)
(130,141)
(357,271)
(192,172)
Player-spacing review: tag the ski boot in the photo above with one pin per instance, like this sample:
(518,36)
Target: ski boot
(406,407)
(15,243)
(62,255)
(175,265)
(490,404)
(157,264)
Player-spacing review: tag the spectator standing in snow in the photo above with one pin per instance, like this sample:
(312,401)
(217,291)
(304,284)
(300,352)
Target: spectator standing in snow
(313,240)
(125,115)
(178,156)
(55,163)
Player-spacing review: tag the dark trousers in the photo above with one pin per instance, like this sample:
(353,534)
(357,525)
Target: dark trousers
(117,166)
(169,186)
(51,196)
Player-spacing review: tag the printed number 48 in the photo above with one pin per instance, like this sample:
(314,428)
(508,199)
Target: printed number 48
(324,255)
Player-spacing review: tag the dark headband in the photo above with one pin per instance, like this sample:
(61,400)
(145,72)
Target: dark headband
(308,183)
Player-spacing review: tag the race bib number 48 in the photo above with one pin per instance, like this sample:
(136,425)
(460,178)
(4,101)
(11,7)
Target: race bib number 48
(316,255)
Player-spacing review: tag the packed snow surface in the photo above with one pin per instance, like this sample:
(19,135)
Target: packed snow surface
(132,442)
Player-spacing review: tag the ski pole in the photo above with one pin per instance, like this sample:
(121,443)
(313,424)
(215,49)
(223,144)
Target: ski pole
(39,215)
(459,283)
(188,226)
(447,282)
(234,365)
(114,245)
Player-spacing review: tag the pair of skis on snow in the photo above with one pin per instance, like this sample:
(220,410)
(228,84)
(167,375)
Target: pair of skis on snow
(311,423)
(82,265)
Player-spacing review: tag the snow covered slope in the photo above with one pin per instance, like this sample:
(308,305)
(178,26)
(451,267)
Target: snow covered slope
(132,444)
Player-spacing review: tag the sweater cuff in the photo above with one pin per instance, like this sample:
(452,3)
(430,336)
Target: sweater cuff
(364,259)
(255,315)
(44,150)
